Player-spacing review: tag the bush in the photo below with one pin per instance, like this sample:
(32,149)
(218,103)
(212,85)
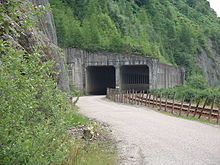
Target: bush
(197,82)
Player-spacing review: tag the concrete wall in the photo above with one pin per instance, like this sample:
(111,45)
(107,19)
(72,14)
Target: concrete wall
(169,76)
(160,75)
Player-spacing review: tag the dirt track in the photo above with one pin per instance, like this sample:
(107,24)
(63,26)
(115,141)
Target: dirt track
(148,137)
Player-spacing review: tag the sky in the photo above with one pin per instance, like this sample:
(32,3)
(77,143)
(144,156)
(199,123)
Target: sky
(215,4)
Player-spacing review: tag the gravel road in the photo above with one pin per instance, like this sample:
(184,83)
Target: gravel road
(148,137)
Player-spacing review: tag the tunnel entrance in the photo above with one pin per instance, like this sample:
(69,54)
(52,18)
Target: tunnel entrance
(99,78)
(135,77)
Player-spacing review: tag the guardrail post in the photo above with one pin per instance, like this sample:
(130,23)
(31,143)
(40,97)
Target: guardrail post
(149,99)
(173,102)
(197,106)
(160,101)
(153,100)
(218,114)
(146,99)
(140,98)
(132,96)
(211,110)
(156,101)
(135,98)
(203,107)
(189,107)
(166,104)
(181,108)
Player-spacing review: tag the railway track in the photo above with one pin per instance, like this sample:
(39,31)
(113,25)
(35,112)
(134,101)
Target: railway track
(173,106)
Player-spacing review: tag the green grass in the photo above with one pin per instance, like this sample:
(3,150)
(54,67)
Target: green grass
(90,153)
(86,152)
(188,117)
(72,118)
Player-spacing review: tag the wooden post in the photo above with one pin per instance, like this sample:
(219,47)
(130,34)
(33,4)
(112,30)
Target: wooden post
(166,104)
(142,97)
(160,101)
(126,98)
(189,107)
(218,113)
(139,98)
(156,101)
(181,108)
(146,99)
(122,99)
(197,106)
(203,107)
(149,99)
(130,96)
(136,101)
(173,102)
(119,97)
(153,99)
(212,106)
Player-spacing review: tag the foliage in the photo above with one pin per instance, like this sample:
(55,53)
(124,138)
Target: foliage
(34,113)
(191,92)
(197,82)
(32,127)
(173,31)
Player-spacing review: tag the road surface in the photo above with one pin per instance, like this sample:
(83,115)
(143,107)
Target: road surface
(146,137)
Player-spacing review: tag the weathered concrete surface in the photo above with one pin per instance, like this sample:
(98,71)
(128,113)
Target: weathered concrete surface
(159,75)
(168,76)
(146,137)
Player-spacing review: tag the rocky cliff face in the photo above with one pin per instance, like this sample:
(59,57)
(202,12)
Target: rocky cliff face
(210,64)
(48,33)
(43,34)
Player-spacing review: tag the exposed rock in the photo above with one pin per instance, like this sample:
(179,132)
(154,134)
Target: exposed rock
(92,131)
(48,33)
(210,64)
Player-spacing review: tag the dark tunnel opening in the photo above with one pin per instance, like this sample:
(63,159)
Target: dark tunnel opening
(99,78)
(135,77)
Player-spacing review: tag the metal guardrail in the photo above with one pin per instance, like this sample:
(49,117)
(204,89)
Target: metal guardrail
(173,106)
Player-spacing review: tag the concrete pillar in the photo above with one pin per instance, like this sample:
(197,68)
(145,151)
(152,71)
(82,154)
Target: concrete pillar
(153,73)
(117,77)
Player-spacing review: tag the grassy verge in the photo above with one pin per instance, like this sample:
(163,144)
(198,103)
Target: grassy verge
(188,117)
(90,153)
(86,151)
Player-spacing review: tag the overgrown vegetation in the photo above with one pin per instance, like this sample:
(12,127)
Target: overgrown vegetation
(32,110)
(35,114)
(174,31)
(196,89)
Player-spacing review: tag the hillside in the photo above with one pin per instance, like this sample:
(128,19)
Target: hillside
(184,33)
